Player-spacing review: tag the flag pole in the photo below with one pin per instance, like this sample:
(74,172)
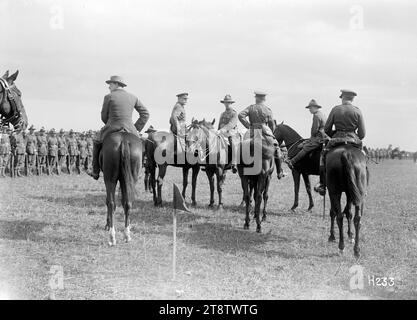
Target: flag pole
(174,246)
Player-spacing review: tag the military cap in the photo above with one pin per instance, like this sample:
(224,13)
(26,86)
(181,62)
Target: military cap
(313,103)
(150,129)
(42,129)
(183,94)
(71,131)
(347,93)
(52,131)
(260,94)
(32,127)
(116,79)
(61,131)
(227,98)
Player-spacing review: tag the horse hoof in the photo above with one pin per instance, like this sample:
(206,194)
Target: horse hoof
(352,240)
(258,229)
(357,254)
(264,218)
(128,239)
(294,210)
(112,243)
(242,204)
(210,205)
(106,227)
(246,226)
(332,239)
(220,207)
(194,204)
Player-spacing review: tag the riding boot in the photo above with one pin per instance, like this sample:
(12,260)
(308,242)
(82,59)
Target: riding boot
(301,154)
(95,173)
(321,187)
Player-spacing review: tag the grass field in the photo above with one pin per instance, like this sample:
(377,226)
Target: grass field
(59,221)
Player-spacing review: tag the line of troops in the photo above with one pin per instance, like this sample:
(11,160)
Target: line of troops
(40,152)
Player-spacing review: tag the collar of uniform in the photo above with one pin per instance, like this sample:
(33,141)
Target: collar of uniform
(347,103)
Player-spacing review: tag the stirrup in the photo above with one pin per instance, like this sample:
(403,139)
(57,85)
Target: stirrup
(321,189)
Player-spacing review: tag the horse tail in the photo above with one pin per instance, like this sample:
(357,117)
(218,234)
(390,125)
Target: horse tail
(355,187)
(127,182)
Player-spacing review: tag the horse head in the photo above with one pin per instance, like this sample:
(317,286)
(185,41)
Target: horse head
(198,136)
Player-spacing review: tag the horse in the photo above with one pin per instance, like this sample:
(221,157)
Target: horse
(161,152)
(309,165)
(253,178)
(346,171)
(12,110)
(203,141)
(120,160)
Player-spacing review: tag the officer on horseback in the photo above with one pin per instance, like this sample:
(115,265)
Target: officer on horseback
(228,129)
(116,113)
(349,128)
(177,119)
(260,117)
(317,133)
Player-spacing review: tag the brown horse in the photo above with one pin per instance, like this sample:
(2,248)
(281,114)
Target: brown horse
(161,152)
(257,174)
(346,171)
(120,160)
(12,110)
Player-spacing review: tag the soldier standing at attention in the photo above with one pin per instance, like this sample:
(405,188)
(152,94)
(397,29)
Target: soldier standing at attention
(90,144)
(317,133)
(4,151)
(117,113)
(18,148)
(177,119)
(349,127)
(31,149)
(82,152)
(228,129)
(52,149)
(42,146)
(62,149)
(72,150)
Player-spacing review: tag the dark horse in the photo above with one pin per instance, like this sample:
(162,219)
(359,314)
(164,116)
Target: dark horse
(120,161)
(12,110)
(256,175)
(346,171)
(160,146)
(309,165)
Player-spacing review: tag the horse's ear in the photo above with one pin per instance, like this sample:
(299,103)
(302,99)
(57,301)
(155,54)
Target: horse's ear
(214,120)
(275,121)
(192,120)
(6,74)
(282,122)
(13,77)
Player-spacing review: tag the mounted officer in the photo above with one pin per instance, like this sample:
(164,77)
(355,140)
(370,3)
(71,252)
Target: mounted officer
(178,118)
(318,135)
(349,128)
(260,117)
(228,129)
(31,140)
(116,113)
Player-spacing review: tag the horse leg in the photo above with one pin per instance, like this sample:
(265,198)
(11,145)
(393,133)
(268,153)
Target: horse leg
(184,180)
(307,183)
(196,170)
(111,207)
(332,238)
(296,178)
(152,183)
(357,222)
(347,212)
(243,203)
(220,176)
(258,201)
(161,174)
(246,196)
(127,206)
(210,176)
(335,203)
(265,196)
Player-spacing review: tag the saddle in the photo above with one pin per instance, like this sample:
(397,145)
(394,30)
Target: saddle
(335,142)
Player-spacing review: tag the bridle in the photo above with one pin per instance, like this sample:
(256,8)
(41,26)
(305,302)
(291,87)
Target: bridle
(8,94)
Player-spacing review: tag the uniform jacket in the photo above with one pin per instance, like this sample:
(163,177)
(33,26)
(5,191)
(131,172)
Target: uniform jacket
(260,116)
(4,144)
(18,144)
(317,129)
(117,112)
(82,148)
(348,120)
(53,146)
(72,146)
(42,145)
(177,120)
(31,144)
(62,146)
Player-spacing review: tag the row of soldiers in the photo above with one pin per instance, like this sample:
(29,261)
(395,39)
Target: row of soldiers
(41,151)
(378,154)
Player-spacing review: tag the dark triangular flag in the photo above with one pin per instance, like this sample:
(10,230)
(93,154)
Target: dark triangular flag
(178,201)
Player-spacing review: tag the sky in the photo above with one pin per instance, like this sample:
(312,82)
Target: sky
(293,50)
